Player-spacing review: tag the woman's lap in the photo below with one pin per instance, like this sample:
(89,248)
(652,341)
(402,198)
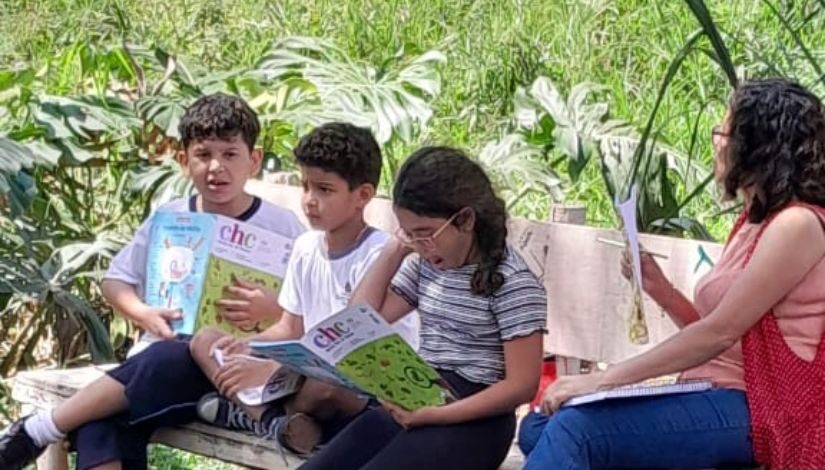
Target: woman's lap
(709,429)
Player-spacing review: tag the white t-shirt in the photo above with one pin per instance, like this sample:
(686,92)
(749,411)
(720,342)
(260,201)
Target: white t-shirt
(129,265)
(318,284)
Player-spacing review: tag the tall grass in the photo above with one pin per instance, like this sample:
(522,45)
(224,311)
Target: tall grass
(493,46)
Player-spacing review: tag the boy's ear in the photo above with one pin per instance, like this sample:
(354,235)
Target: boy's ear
(183,161)
(257,157)
(365,193)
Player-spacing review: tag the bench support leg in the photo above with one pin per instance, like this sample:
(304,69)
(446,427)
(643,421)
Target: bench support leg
(568,365)
(54,458)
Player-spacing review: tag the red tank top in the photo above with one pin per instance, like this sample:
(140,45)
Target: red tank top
(786,394)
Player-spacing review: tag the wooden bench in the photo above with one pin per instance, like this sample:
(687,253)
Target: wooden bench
(43,389)
(588,303)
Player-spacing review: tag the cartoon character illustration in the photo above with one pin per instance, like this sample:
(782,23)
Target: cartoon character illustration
(176,263)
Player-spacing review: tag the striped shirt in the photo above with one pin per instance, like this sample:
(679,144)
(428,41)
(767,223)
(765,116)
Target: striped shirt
(463,332)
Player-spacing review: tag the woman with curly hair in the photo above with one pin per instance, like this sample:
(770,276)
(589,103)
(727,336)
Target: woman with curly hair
(754,327)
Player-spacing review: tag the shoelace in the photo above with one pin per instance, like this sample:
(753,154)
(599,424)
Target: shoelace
(238,419)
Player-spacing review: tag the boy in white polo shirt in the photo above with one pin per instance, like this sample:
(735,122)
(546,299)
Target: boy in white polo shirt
(112,419)
(340,167)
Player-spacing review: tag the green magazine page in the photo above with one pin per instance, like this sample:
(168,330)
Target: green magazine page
(362,352)
(390,369)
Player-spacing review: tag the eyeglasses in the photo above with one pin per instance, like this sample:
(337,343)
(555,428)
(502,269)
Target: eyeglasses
(717,134)
(424,243)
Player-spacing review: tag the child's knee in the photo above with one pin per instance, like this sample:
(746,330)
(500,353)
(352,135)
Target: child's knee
(314,393)
(324,401)
(201,344)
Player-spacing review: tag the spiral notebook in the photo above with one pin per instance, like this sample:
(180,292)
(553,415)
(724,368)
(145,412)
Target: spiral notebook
(641,390)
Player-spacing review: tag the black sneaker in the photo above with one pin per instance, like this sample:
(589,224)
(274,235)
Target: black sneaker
(217,410)
(297,433)
(17,449)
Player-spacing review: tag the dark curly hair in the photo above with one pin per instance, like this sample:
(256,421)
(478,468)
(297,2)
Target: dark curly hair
(777,145)
(219,116)
(349,151)
(439,182)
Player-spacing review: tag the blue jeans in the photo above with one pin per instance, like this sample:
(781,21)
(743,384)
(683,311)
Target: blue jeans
(697,430)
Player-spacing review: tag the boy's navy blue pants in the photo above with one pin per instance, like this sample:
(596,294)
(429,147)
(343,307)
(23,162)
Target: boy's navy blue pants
(163,385)
(374,441)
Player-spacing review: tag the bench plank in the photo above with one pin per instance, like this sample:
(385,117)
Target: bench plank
(47,388)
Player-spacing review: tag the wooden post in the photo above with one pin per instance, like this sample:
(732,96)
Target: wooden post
(568,214)
(54,458)
(577,215)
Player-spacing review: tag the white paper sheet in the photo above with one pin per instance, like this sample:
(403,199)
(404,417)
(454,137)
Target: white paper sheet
(627,211)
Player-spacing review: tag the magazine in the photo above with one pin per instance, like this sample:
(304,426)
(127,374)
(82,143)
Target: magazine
(641,390)
(193,257)
(355,348)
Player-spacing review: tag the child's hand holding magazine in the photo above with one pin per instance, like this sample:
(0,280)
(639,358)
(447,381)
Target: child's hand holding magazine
(245,304)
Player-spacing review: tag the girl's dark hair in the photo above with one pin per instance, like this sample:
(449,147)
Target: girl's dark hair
(777,145)
(440,181)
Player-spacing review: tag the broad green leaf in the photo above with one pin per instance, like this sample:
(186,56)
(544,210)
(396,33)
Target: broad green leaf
(517,164)
(165,112)
(14,156)
(44,153)
(548,96)
(20,193)
(392,104)
(100,346)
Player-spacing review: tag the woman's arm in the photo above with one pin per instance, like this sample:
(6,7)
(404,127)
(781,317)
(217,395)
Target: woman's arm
(778,264)
(661,290)
(374,289)
(678,307)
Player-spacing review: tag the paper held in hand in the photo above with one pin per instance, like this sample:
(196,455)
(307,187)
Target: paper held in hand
(637,326)
(282,383)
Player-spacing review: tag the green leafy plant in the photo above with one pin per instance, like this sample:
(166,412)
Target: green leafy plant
(579,130)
